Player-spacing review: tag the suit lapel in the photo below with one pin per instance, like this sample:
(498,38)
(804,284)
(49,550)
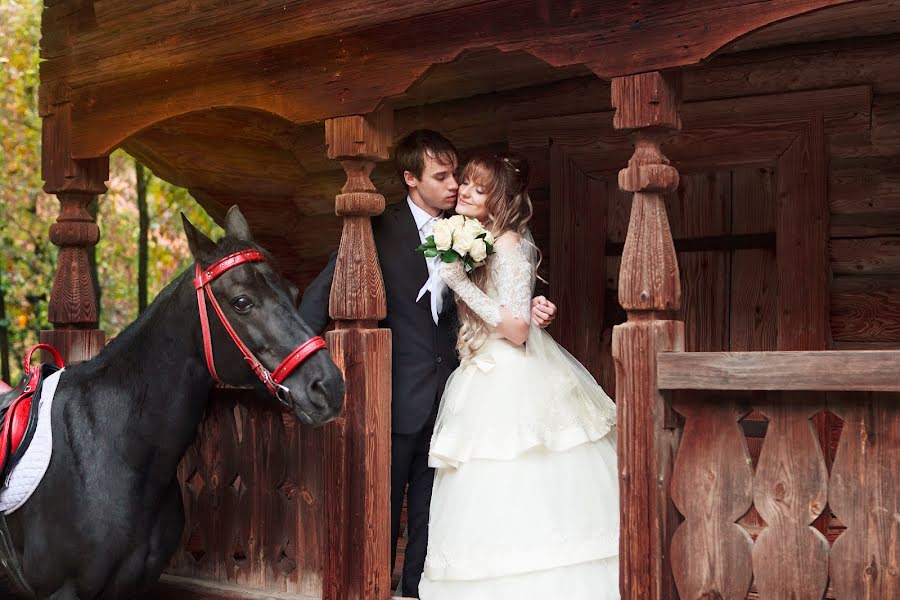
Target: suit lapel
(408,238)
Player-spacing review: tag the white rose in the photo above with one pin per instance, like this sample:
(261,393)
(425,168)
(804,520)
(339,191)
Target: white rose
(478,252)
(457,221)
(489,238)
(474,227)
(443,234)
(462,241)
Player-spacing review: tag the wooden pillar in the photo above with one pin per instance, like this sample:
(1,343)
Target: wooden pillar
(358,444)
(650,292)
(76,183)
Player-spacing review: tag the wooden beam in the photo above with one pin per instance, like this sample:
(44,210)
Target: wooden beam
(828,370)
(852,61)
(73,306)
(706,244)
(358,444)
(871,256)
(802,243)
(766,126)
(866,308)
(176,587)
(352,72)
(650,291)
(578,284)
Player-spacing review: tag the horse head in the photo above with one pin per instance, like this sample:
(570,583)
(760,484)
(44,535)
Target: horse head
(259,306)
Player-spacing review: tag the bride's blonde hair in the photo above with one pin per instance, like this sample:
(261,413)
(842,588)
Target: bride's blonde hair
(504,178)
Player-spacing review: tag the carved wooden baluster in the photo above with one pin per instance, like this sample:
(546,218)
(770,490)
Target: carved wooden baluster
(73,300)
(650,291)
(790,558)
(712,486)
(865,496)
(358,444)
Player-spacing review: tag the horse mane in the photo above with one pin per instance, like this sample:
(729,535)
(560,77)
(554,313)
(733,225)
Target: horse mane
(131,333)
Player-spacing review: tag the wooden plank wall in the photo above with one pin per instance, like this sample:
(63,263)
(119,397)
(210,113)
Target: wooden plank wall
(253,495)
(728,287)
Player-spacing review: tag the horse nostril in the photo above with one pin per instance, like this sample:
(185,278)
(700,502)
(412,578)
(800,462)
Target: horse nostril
(319,393)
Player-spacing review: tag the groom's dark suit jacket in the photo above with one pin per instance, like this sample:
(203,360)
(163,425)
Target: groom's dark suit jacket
(424,354)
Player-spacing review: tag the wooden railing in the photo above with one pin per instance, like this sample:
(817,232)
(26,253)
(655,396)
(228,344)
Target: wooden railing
(714,484)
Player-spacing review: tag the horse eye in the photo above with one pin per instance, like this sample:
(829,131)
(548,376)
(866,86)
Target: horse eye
(242,304)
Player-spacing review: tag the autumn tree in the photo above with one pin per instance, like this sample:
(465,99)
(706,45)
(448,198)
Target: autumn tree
(27,258)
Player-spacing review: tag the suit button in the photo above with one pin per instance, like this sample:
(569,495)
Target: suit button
(439,359)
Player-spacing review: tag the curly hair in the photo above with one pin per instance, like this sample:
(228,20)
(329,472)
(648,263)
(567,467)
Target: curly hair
(504,178)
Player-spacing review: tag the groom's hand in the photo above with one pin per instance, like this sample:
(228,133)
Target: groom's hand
(542,311)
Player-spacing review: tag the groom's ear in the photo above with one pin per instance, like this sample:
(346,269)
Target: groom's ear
(410,179)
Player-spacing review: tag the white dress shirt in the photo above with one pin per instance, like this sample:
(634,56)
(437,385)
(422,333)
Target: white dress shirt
(424,224)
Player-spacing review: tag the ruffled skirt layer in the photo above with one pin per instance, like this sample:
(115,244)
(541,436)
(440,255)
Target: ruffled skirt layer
(526,501)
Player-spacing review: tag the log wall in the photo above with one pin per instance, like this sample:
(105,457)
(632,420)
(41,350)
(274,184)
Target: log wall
(722,218)
(863,176)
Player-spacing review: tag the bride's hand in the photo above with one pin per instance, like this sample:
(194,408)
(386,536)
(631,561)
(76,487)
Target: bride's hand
(542,312)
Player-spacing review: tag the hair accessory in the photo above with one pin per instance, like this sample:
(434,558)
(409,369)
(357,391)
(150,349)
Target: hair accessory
(506,160)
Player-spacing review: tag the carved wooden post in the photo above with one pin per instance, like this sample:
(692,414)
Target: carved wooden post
(650,292)
(358,445)
(73,301)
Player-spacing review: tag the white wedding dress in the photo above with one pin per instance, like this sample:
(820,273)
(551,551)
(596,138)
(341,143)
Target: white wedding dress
(526,497)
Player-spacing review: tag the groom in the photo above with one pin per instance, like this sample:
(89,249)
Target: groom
(424,351)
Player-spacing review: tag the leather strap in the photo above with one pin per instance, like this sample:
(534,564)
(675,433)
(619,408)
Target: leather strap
(53,352)
(296,357)
(229,262)
(204,326)
(202,279)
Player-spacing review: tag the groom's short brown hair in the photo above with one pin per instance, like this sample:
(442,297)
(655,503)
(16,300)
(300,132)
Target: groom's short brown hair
(411,151)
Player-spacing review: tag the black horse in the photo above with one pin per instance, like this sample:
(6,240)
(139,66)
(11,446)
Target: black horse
(107,516)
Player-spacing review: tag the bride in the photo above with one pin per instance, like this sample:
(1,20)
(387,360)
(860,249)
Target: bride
(526,499)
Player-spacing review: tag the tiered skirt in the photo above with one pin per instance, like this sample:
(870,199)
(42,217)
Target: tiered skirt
(526,500)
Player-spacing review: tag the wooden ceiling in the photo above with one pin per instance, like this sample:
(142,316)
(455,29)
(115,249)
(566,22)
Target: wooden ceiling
(123,66)
(858,19)
(278,172)
(245,153)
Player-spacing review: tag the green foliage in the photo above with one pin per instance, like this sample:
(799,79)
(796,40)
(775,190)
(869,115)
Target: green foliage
(27,258)
(117,255)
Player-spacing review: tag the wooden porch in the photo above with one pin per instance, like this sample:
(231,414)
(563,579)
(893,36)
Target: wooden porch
(716,190)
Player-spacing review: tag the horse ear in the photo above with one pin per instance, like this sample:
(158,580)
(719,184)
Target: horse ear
(236,225)
(201,246)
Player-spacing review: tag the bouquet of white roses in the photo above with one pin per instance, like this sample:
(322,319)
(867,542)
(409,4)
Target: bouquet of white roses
(459,238)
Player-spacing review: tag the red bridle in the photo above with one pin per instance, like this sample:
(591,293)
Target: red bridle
(272,379)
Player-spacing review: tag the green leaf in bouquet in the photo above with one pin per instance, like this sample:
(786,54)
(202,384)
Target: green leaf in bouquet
(450,255)
(490,248)
(431,252)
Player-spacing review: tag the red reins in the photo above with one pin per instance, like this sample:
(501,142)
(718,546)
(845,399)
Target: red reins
(272,379)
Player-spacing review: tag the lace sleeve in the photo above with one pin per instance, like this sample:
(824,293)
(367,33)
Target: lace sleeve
(514,279)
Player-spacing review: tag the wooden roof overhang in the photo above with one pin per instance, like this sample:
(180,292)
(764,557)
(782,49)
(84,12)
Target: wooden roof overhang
(124,69)
(228,101)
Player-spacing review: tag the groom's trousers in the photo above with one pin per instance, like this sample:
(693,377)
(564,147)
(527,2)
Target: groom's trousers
(411,474)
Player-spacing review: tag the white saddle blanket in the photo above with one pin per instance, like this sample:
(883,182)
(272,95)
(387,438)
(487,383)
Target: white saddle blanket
(29,471)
